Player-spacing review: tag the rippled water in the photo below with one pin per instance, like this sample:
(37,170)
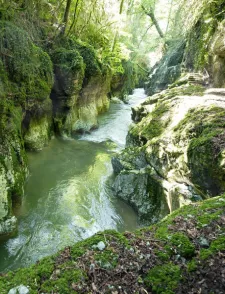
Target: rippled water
(68,195)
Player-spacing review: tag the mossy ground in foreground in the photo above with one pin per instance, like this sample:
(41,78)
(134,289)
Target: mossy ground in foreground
(184,253)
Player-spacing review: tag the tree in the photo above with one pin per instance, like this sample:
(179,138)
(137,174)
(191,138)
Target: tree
(66,17)
(151,14)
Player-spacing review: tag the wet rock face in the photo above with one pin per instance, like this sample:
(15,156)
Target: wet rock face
(37,124)
(139,189)
(175,151)
(76,108)
(218,55)
(13,165)
(167,70)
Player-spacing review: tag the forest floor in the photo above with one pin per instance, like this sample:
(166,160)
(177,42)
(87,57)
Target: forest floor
(185,253)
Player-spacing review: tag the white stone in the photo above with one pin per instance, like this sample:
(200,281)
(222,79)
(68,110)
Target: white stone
(101,246)
(19,290)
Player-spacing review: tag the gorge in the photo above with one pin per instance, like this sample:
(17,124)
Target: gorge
(151,220)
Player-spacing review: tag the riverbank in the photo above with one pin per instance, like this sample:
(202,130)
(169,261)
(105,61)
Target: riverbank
(183,253)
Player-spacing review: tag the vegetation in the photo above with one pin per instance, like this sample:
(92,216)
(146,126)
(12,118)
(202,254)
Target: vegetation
(118,42)
(165,258)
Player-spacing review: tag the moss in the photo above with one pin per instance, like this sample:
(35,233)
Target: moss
(13,157)
(183,87)
(68,60)
(106,259)
(162,232)
(32,276)
(208,216)
(163,256)
(182,245)
(197,50)
(63,281)
(153,125)
(204,128)
(177,243)
(80,248)
(192,265)
(164,278)
(29,68)
(64,272)
(88,54)
(215,246)
(90,59)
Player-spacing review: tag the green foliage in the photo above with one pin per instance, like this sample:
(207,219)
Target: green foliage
(28,67)
(90,59)
(164,278)
(68,60)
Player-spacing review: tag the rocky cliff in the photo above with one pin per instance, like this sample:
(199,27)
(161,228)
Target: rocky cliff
(25,86)
(42,94)
(175,149)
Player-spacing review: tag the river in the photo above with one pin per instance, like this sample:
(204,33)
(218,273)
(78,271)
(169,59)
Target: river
(68,194)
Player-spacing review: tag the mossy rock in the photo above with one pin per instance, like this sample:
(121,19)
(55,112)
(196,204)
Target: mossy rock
(92,65)
(204,128)
(68,59)
(29,68)
(153,124)
(135,261)
(164,278)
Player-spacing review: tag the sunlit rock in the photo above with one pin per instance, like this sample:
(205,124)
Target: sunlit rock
(179,137)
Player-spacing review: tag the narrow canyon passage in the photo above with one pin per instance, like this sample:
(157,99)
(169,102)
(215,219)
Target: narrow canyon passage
(68,194)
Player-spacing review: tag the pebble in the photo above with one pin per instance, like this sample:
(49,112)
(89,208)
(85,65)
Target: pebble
(203,242)
(101,246)
(19,290)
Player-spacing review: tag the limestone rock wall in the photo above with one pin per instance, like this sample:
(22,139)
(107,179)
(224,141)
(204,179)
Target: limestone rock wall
(174,151)
(76,108)
(168,69)
(13,165)
(37,124)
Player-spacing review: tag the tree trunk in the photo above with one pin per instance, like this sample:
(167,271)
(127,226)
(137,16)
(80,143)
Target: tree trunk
(116,33)
(66,16)
(154,21)
(121,6)
(74,17)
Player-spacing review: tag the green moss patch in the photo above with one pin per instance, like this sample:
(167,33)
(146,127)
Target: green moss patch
(153,124)
(204,129)
(164,278)
(182,245)
(169,257)
(29,68)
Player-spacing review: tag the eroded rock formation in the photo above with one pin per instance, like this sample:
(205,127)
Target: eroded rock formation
(174,152)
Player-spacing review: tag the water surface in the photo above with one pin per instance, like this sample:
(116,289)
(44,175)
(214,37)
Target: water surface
(68,194)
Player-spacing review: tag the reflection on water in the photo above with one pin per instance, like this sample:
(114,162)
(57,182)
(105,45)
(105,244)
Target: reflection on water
(68,196)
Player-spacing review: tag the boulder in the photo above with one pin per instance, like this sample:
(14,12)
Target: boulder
(179,153)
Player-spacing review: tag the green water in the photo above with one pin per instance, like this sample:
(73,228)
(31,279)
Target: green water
(68,194)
